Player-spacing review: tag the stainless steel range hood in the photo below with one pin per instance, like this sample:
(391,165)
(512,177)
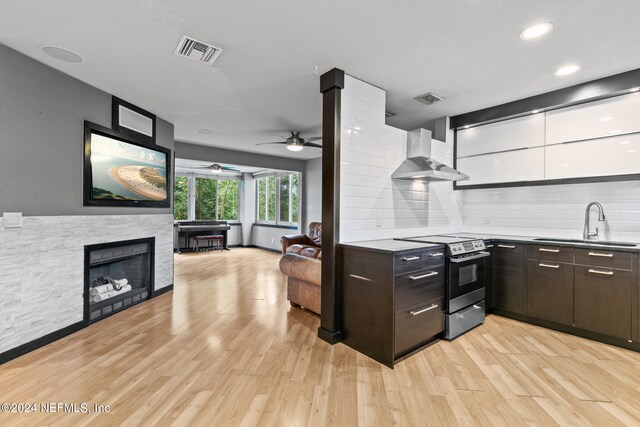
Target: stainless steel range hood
(419,164)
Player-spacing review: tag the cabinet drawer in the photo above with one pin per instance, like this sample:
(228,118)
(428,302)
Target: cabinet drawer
(418,260)
(417,324)
(550,253)
(550,291)
(419,287)
(507,291)
(604,258)
(603,301)
(507,251)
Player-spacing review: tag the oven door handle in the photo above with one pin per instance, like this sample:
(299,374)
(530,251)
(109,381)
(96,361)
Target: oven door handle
(470,258)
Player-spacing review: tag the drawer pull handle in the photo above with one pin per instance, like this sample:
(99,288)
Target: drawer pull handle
(422,276)
(411,258)
(416,312)
(476,307)
(489,246)
(602,255)
(507,246)
(549,266)
(606,273)
(555,251)
(436,254)
(366,279)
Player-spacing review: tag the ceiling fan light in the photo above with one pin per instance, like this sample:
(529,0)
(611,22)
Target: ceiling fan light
(294,147)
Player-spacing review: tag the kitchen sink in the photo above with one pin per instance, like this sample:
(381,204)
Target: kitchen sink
(588,242)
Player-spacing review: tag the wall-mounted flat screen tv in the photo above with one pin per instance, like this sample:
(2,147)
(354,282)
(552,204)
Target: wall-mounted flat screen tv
(119,171)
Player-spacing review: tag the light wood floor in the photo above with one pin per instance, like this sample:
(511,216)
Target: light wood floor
(225,348)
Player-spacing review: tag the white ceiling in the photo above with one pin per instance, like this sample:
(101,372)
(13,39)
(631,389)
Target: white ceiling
(264,82)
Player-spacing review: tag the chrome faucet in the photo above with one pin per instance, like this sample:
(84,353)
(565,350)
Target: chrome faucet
(588,234)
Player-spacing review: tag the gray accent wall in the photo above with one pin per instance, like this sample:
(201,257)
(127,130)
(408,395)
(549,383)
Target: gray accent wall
(42,113)
(312,191)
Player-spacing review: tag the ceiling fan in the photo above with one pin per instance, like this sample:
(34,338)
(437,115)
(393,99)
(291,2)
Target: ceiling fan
(216,168)
(295,142)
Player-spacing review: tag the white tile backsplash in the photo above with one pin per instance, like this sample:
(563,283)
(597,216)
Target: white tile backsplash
(555,210)
(371,151)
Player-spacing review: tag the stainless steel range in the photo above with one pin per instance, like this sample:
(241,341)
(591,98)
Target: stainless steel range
(465,281)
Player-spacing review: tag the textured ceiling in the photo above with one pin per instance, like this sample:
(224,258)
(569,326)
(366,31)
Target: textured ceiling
(467,51)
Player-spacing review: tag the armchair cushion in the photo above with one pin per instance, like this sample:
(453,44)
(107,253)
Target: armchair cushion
(301,268)
(293,239)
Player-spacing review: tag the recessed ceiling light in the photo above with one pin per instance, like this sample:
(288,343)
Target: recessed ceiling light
(625,142)
(631,151)
(566,70)
(564,165)
(605,119)
(615,131)
(535,111)
(205,131)
(466,126)
(536,31)
(61,53)
(634,89)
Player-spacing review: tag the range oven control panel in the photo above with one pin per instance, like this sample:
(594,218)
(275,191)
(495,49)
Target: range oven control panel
(466,247)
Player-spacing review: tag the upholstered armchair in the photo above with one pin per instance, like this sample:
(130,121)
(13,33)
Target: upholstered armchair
(301,262)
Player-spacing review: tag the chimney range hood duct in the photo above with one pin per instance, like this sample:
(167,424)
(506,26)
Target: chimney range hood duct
(420,166)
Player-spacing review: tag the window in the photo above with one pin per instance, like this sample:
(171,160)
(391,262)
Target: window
(277,199)
(228,199)
(215,199)
(206,198)
(181,198)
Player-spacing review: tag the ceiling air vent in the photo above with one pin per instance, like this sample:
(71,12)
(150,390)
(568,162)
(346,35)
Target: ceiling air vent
(197,50)
(428,98)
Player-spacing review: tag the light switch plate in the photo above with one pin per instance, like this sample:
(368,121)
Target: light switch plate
(12,219)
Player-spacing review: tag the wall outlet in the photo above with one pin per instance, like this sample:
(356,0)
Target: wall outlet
(378,221)
(486,220)
(273,240)
(12,219)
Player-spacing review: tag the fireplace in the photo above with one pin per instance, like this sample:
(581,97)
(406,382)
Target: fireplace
(117,275)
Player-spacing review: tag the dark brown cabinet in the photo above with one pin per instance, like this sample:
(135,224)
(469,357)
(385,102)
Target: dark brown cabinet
(603,301)
(589,291)
(393,303)
(507,291)
(549,295)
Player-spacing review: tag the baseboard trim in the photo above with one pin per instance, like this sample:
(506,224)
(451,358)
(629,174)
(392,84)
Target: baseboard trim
(161,291)
(23,349)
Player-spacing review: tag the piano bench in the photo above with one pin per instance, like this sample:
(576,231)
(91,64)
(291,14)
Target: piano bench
(219,239)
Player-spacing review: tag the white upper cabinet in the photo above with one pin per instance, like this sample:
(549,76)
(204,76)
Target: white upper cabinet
(607,117)
(619,155)
(509,166)
(522,132)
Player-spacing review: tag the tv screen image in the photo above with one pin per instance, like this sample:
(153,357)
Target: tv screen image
(122,171)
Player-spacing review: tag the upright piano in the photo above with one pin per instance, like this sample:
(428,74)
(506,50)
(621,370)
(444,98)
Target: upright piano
(185,231)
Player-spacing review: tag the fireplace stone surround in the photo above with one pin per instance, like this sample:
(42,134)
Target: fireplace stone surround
(42,275)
